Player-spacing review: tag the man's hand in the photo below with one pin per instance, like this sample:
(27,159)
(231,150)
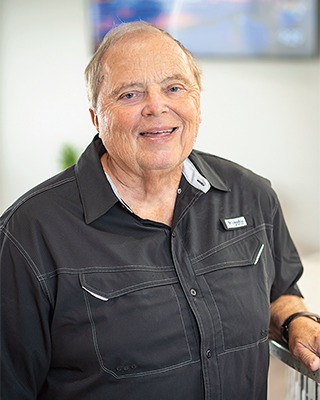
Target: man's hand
(304,333)
(304,341)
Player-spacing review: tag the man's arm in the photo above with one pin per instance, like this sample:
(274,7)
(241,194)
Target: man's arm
(304,332)
(25,327)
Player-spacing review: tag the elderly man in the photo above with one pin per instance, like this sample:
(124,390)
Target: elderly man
(147,270)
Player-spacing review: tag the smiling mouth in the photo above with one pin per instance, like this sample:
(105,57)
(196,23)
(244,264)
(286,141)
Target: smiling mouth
(155,133)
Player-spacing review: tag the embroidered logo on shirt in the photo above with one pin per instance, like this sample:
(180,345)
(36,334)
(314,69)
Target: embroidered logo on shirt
(235,223)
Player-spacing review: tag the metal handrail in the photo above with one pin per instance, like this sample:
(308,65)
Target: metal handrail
(303,383)
(284,355)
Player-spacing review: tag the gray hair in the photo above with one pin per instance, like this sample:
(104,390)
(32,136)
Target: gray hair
(93,76)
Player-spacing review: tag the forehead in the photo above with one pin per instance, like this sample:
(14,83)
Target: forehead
(146,56)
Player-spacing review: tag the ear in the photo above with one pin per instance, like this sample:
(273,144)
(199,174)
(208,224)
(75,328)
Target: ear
(94,119)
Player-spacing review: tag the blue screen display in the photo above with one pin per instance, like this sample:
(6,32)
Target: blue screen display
(221,28)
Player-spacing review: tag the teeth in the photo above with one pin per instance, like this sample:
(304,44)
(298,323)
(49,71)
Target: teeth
(167,131)
(156,132)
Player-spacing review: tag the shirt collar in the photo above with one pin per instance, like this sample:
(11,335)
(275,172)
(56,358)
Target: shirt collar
(194,177)
(189,171)
(96,193)
(204,162)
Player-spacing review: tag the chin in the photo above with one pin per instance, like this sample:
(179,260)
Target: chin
(163,165)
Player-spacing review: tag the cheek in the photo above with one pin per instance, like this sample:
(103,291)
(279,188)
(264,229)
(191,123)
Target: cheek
(108,122)
(116,131)
(121,120)
(192,113)
(192,117)
(191,108)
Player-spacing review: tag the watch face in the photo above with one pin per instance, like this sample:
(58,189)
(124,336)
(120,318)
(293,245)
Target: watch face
(284,333)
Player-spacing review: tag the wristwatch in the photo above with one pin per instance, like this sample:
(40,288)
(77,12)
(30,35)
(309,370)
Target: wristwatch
(285,326)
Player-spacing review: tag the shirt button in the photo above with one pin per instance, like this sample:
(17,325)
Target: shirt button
(179,191)
(173,234)
(208,353)
(193,292)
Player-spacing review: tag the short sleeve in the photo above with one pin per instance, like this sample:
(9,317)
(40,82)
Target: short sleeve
(288,266)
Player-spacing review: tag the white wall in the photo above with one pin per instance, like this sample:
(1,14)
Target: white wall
(262,114)
(266,115)
(45,48)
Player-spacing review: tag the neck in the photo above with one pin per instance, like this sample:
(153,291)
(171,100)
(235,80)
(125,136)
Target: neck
(150,195)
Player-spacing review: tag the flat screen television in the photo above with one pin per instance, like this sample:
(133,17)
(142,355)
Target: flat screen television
(221,28)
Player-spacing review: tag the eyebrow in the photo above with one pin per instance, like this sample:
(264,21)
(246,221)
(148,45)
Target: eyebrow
(135,85)
(126,86)
(176,77)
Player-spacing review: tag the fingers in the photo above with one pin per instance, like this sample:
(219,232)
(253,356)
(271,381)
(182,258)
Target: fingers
(315,364)
(307,357)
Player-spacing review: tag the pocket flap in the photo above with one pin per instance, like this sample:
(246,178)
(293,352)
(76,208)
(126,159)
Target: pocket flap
(237,253)
(110,283)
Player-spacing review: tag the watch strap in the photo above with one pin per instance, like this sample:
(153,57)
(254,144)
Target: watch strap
(285,326)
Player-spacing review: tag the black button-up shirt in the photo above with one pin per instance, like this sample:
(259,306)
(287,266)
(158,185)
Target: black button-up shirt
(98,303)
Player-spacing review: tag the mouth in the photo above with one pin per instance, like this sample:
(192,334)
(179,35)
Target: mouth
(164,132)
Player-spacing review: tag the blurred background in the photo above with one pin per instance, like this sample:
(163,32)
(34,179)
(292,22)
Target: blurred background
(263,113)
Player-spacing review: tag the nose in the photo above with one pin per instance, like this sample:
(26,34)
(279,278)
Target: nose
(155,104)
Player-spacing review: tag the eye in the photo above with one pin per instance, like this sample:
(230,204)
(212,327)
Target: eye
(174,89)
(131,97)
(127,96)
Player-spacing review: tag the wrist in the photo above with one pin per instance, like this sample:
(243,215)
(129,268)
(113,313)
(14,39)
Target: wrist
(284,330)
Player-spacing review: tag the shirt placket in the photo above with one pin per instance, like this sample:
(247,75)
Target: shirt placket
(194,294)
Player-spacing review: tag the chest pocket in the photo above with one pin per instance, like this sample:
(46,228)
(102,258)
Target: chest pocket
(238,276)
(136,321)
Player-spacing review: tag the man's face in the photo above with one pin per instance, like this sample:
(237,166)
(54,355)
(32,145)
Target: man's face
(148,110)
